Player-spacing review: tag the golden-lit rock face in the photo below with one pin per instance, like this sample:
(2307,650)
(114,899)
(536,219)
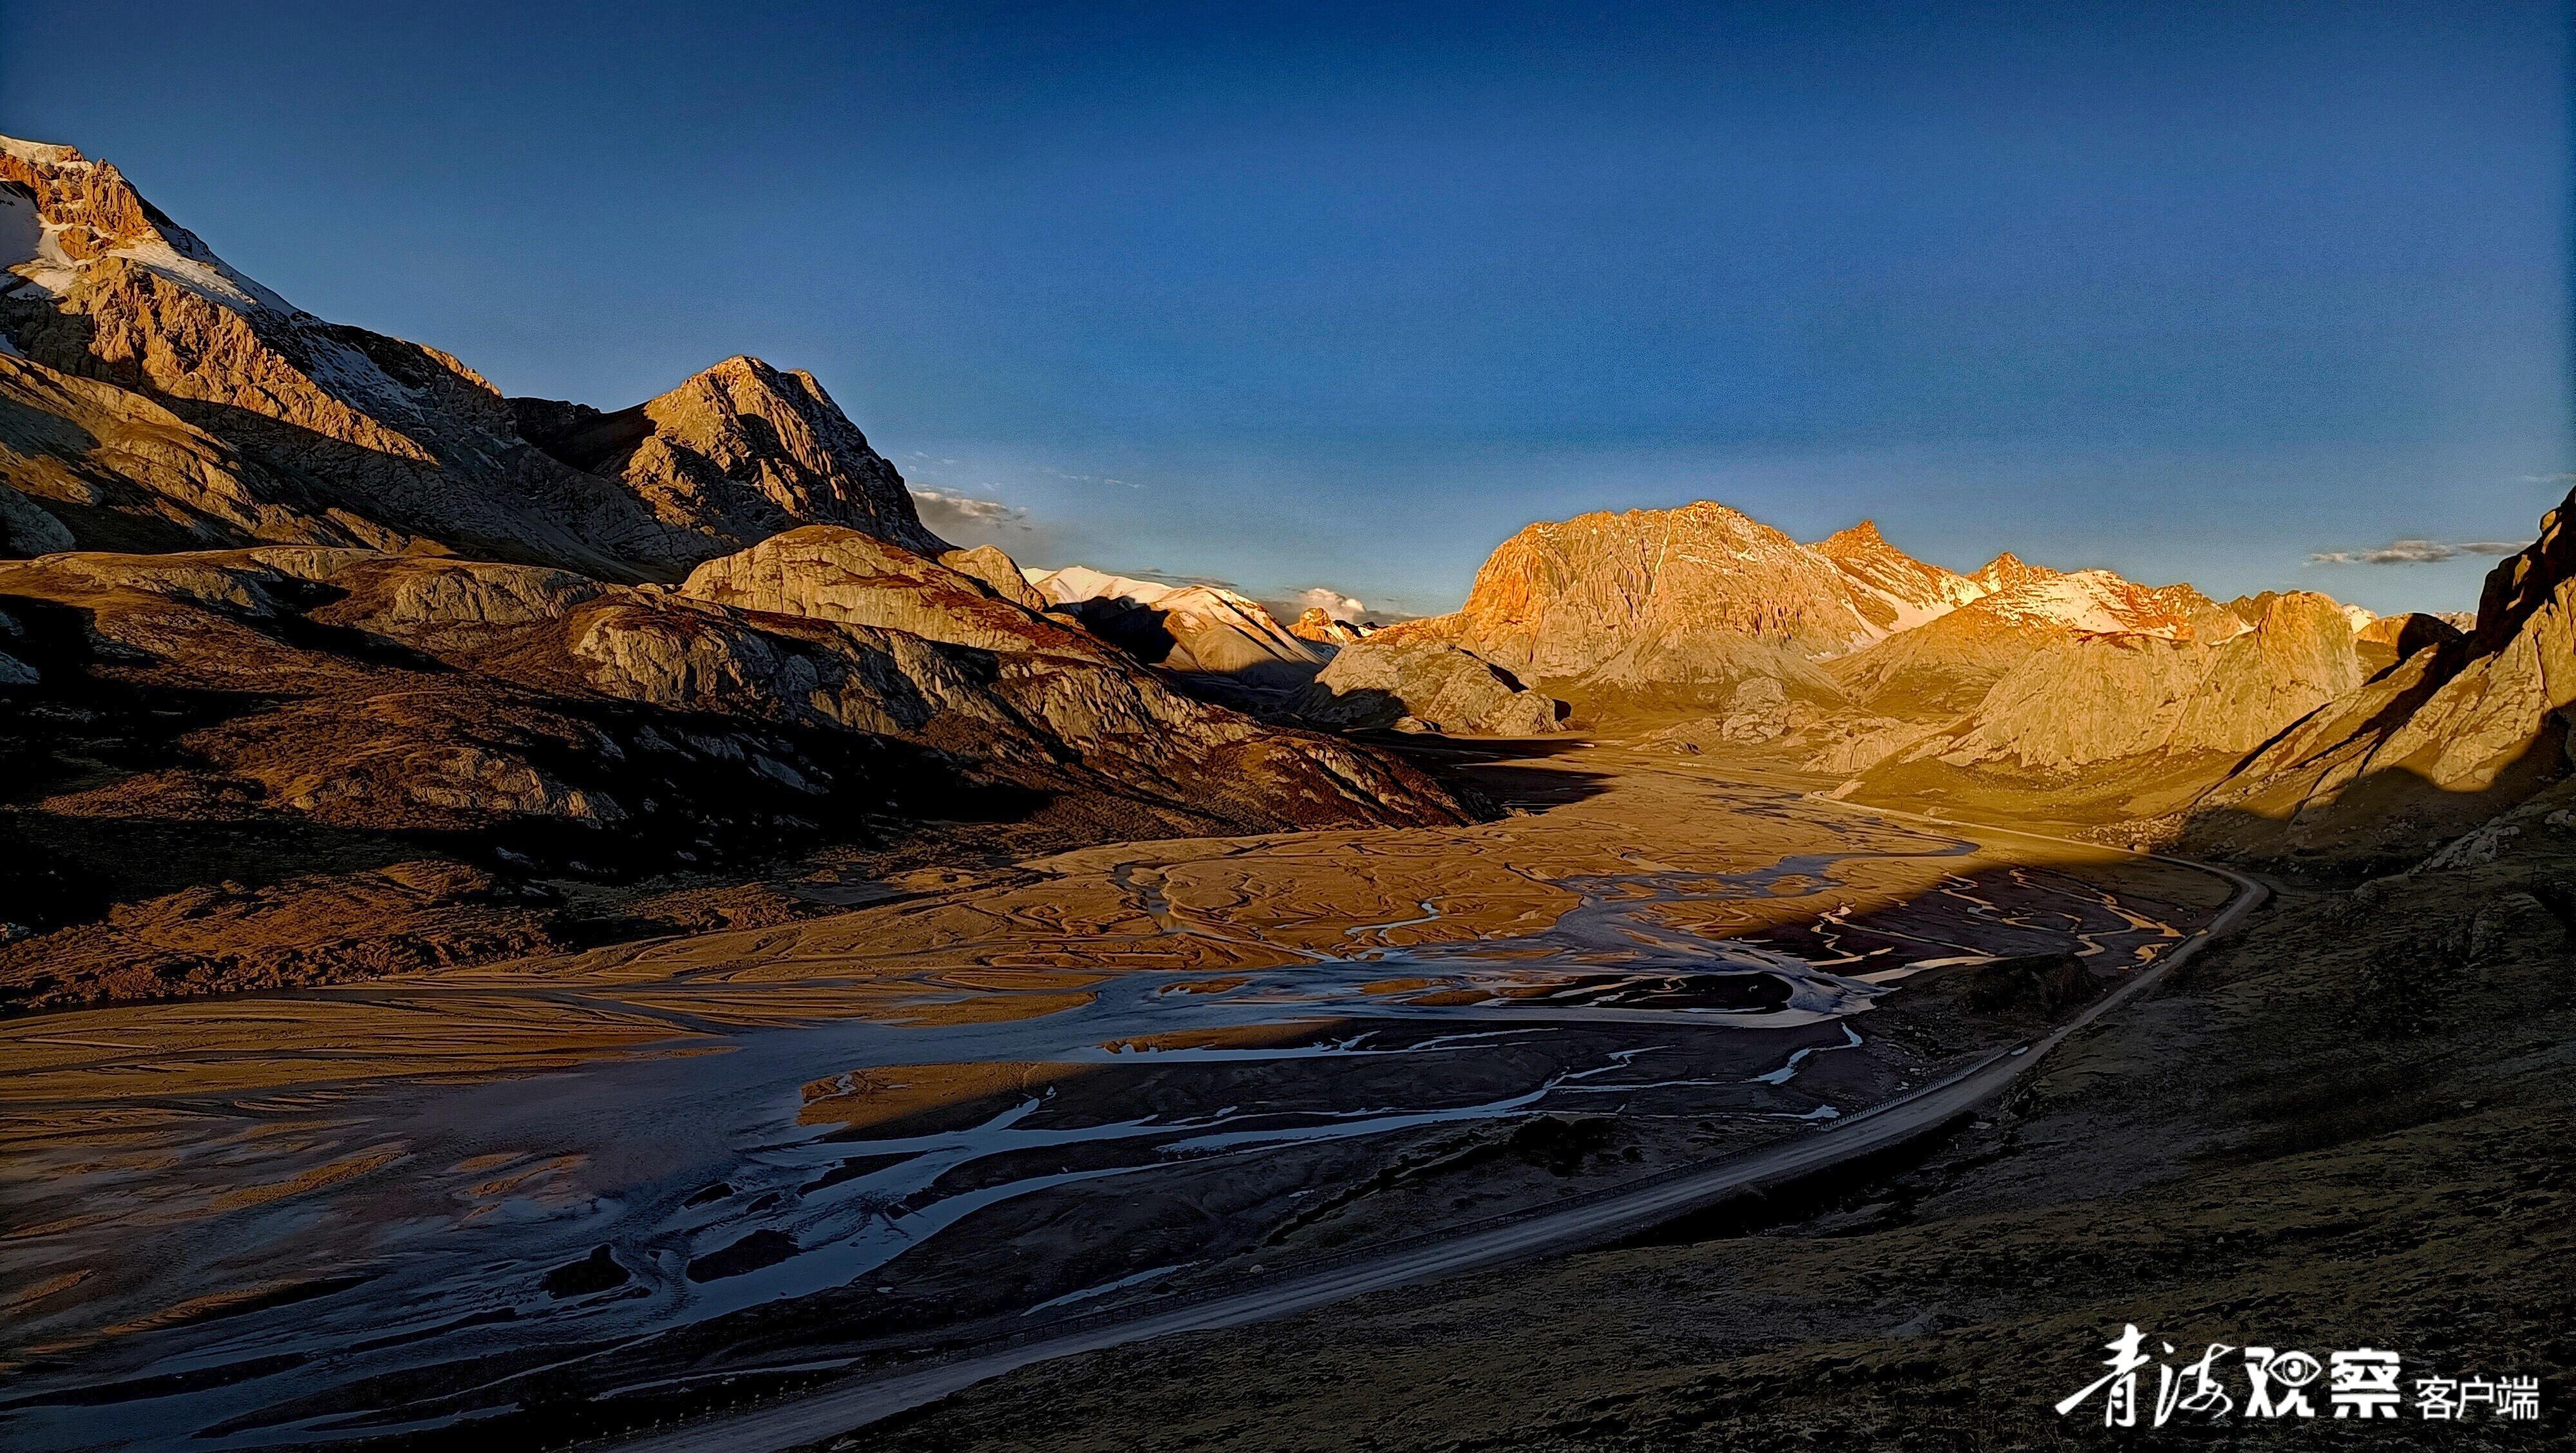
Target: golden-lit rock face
(1661,610)
(1657,599)
(1848,652)
(2094,699)
(1198,629)
(735,454)
(831,574)
(85,461)
(1317,625)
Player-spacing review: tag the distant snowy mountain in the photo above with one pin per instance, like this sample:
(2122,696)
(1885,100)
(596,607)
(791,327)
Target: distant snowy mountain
(1195,628)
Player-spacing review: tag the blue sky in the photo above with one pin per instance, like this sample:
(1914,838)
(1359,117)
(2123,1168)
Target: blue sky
(1343,295)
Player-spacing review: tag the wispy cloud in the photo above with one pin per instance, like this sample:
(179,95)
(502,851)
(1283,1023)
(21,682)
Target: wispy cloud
(944,511)
(2416,552)
(1174,577)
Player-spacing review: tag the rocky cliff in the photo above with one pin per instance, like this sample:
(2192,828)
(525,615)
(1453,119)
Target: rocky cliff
(1913,591)
(2387,640)
(821,630)
(1947,665)
(1390,681)
(1316,626)
(1679,604)
(736,454)
(2100,698)
(1663,610)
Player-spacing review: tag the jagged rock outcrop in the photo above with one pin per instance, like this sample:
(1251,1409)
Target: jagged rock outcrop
(2005,571)
(173,403)
(1946,667)
(87,465)
(831,573)
(1914,591)
(1943,667)
(1318,627)
(2528,583)
(2099,602)
(2409,632)
(1188,628)
(2459,730)
(1423,685)
(735,455)
(999,572)
(2387,640)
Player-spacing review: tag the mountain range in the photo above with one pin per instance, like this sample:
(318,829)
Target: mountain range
(289,604)
(297,606)
(2279,722)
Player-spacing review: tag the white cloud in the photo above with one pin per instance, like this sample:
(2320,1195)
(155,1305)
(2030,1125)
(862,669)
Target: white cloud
(1331,602)
(2415,552)
(944,511)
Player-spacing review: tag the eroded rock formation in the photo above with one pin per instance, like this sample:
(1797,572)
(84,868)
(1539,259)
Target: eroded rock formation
(1387,681)
(735,455)
(2101,698)
(1318,627)
(1658,609)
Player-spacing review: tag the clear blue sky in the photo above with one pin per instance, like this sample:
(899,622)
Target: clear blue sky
(1343,296)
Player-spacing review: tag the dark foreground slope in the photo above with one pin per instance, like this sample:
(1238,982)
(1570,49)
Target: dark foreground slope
(2348,1127)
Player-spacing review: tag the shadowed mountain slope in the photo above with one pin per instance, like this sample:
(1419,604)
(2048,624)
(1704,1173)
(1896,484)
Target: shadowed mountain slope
(2461,729)
(528,717)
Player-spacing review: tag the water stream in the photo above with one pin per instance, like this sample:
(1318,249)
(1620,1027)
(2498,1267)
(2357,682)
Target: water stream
(705,1184)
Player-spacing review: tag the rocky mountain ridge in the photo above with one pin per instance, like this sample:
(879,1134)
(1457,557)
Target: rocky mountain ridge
(1317,626)
(1666,608)
(1848,644)
(251,421)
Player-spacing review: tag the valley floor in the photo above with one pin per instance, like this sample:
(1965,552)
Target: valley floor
(995,1095)
(2347,1127)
